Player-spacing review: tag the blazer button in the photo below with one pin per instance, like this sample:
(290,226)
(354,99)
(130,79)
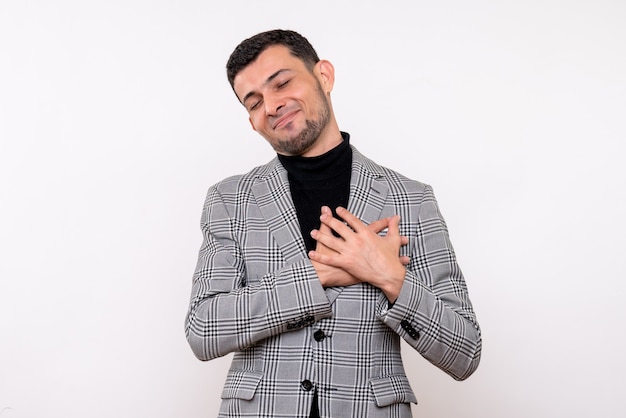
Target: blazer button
(413,333)
(306,385)
(319,335)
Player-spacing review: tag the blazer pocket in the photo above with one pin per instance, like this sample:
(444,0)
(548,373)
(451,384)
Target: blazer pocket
(392,389)
(241,384)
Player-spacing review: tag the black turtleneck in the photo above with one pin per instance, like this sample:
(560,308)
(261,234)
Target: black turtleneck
(319,181)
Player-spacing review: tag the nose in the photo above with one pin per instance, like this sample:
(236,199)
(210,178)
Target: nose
(273,103)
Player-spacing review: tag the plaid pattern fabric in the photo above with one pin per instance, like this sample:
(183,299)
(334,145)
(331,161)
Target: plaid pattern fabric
(255,293)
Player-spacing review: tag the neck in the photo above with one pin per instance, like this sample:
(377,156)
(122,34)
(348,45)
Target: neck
(329,138)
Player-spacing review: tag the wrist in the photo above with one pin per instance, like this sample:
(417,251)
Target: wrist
(394,283)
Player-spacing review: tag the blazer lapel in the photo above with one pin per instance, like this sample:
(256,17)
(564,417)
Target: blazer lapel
(274,200)
(368,195)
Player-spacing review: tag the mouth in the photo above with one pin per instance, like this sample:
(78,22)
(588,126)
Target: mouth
(284,120)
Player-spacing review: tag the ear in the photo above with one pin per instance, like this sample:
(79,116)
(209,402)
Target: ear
(252,124)
(325,73)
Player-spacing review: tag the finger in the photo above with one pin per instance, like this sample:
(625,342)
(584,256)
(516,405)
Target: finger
(379,225)
(336,225)
(325,240)
(325,229)
(326,210)
(355,223)
(394,226)
(322,258)
(405,260)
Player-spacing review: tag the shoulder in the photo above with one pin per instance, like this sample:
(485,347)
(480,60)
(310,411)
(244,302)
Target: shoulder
(238,190)
(242,182)
(395,180)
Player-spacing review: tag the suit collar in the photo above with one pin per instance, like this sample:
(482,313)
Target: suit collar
(271,190)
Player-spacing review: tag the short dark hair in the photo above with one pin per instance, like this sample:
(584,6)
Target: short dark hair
(249,50)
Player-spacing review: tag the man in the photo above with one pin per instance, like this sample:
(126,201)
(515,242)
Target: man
(314,265)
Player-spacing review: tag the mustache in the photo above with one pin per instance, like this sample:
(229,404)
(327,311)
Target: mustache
(282,113)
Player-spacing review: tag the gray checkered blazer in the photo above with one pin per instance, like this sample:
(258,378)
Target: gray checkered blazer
(256,294)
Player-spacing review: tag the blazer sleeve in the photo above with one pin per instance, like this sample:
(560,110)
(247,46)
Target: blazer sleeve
(433,312)
(226,313)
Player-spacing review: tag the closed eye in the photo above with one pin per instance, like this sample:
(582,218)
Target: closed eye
(254,105)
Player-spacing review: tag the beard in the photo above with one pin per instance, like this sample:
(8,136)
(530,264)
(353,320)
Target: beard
(309,134)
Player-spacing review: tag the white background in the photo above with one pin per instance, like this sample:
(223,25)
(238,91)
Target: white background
(116,116)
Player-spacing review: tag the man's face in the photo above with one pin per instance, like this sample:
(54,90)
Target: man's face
(286,102)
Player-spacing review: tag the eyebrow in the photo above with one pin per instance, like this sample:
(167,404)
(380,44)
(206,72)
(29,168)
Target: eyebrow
(269,80)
